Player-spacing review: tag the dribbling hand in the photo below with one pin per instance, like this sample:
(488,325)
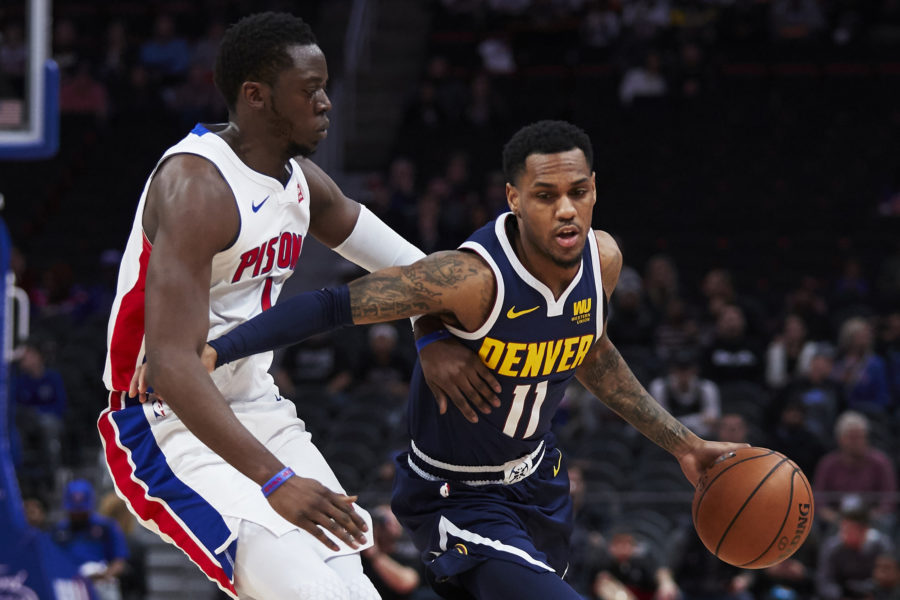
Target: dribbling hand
(702,456)
(313,507)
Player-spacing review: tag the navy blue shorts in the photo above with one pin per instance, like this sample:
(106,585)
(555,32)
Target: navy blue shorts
(458,527)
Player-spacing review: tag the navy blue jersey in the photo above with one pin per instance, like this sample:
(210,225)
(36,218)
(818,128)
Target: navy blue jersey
(533,343)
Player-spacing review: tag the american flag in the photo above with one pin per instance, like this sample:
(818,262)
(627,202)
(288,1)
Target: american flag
(11,113)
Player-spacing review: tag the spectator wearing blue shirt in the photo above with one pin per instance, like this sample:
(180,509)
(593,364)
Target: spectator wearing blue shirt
(94,542)
(39,398)
(862,373)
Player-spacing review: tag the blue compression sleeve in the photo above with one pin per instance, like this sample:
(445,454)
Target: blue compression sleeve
(288,322)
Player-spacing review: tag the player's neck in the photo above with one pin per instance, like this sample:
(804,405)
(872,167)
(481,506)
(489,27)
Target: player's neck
(546,270)
(256,152)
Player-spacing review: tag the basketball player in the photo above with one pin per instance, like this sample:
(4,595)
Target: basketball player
(487,502)
(224,469)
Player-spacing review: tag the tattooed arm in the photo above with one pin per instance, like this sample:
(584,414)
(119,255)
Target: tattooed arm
(606,375)
(456,286)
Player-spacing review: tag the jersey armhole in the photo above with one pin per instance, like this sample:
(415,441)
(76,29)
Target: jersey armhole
(500,290)
(165,158)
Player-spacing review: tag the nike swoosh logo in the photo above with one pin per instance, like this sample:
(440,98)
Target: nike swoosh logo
(512,313)
(558,463)
(256,207)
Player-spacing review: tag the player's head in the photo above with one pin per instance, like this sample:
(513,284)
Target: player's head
(550,188)
(270,69)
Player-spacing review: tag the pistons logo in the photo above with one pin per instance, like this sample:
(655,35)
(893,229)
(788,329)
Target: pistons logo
(299,193)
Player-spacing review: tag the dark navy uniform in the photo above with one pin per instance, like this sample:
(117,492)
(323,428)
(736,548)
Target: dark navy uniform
(498,488)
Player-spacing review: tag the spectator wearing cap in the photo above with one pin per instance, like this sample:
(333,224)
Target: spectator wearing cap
(94,542)
(847,558)
(691,399)
(855,467)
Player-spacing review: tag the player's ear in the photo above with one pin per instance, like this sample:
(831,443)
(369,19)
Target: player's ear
(512,198)
(254,94)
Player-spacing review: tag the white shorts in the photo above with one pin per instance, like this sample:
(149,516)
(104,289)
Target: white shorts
(192,498)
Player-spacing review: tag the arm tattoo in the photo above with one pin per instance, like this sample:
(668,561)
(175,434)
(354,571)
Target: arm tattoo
(610,379)
(421,288)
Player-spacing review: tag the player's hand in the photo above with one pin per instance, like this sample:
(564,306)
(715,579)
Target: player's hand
(208,357)
(139,387)
(455,372)
(702,456)
(311,506)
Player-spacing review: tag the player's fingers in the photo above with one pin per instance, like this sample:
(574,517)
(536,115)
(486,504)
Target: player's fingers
(473,395)
(133,386)
(482,395)
(488,377)
(440,398)
(332,522)
(350,524)
(463,405)
(348,514)
(319,534)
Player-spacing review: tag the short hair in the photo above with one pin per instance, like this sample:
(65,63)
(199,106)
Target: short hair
(543,137)
(255,49)
(850,420)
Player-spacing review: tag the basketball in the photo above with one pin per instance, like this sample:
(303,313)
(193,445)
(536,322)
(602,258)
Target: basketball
(753,508)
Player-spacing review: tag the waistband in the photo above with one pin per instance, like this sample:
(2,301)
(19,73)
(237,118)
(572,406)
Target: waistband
(508,473)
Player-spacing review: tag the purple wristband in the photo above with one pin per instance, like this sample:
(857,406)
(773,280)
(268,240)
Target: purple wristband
(440,334)
(276,481)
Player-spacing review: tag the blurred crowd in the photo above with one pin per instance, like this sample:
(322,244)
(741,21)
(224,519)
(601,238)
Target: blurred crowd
(760,300)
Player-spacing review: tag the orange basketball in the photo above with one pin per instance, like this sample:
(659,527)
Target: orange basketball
(753,508)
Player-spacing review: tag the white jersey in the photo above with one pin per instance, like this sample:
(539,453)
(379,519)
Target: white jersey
(246,277)
(172,482)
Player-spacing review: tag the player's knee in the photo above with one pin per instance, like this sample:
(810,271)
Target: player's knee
(325,586)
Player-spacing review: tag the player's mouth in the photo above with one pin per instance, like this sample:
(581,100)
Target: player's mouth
(323,131)
(567,237)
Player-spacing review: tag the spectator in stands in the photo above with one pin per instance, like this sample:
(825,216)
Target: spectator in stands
(889,350)
(792,437)
(806,300)
(133,579)
(789,353)
(497,54)
(392,574)
(677,330)
(847,559)
(692,400)
(166,54)
(39,395)
(820,395)
(80,93)
(855,468)
(702,576)
(733,356)
(643,81)
(35,512)
(590,519)
(661,285)
(600,28)
(861,372)
(886,575)
(94,542)
(630,321)
(633,566)
(383,366)
(732,427)
(13,52)
(321,362)
(195,98)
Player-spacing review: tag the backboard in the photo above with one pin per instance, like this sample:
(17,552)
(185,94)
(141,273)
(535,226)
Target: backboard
(29,82)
